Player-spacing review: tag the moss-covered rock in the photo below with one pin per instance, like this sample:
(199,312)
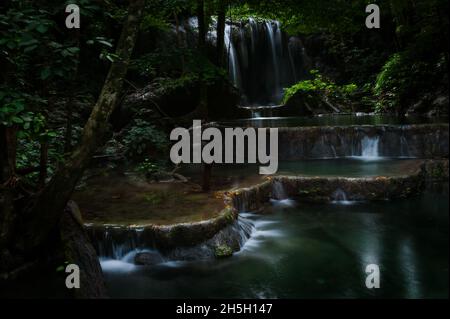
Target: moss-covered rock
(223,251)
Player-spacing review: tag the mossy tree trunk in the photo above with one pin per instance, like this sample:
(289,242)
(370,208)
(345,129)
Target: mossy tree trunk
(43,214)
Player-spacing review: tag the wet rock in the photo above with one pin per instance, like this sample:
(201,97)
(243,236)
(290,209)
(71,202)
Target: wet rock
(148,258)
(322,189)
(223,244)
(189,234)
(250,198)
(420,141)
(430,104)
(164,237)
(435,170)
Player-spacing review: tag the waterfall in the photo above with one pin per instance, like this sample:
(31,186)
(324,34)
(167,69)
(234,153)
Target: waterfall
(340,197)
(119,248)
(116,242)
(255,114)
(369,147)
(233,65)
(404,147)
(260,60)
(273,45)
(278,191)
(243,47)
(245,228)
(253,33)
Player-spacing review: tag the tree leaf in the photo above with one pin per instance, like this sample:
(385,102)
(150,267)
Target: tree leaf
(105,43)
(45,73)
(42,28)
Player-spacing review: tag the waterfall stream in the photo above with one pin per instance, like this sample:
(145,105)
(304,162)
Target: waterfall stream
(233,65)
(369,147)
(261,60)
(117,247)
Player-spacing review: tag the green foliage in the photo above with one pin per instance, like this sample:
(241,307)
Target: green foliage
(320,85)
(147,167)
(391,82)
(28,43)
(304,16)
(166,63)
(245,11)
(222,251)
(404,78)
(143,138)
(154,22)
(28,150)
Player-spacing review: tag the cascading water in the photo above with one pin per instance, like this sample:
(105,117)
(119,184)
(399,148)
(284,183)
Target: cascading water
(369,147)
(274,46)
(118,247)
(261,60)
(116,242)
(279,195)
(340,197)
(233,63)
(278,191)
(404,147)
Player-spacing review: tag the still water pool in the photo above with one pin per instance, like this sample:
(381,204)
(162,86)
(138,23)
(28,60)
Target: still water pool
(334,120)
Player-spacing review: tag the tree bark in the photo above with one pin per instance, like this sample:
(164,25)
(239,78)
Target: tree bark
(43,215)
(68,132)
(201,25)
(179,41)
(8,141)
(11,150)
(78,250)
(43,163)
(203,101)
(4,173)
(221,32)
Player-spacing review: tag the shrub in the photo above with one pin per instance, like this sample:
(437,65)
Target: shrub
(320,85)
(143,138)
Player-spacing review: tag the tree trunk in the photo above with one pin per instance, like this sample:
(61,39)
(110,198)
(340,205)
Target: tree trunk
(78,250)
(68,132)
(201,25)
(43,215)
(203,103)
(179,41)
(11,150)
(71,102)
(221,32)
(4,173)
(7,166)
(43,163)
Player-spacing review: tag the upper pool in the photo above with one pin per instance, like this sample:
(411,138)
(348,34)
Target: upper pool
(334,120)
